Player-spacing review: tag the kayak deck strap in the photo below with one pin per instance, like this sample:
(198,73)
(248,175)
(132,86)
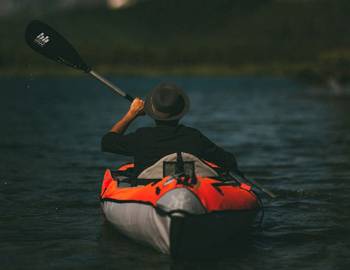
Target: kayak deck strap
(125,177)
(128,177)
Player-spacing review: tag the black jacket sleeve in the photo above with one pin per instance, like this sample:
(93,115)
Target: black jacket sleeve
(119,143)
(213,153)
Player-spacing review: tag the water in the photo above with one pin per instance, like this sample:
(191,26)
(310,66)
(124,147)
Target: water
(293,139)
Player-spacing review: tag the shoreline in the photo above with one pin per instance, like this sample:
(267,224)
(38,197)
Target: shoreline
(53,69)
(311,73)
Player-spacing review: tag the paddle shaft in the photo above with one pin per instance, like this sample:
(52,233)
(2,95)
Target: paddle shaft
(254,183)
(111,85)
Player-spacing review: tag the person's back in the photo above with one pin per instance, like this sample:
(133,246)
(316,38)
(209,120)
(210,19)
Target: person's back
(166,104)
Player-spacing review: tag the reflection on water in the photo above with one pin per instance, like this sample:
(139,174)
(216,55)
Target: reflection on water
(294,142)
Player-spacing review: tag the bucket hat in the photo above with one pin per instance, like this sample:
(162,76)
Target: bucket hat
(167,102)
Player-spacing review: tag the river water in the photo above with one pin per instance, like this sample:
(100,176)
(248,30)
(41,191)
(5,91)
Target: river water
(294,139)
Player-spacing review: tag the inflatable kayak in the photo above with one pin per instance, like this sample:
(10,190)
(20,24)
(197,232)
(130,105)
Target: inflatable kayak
(178,205)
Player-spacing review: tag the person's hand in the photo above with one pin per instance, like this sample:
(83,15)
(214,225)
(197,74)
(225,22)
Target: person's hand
(136,107)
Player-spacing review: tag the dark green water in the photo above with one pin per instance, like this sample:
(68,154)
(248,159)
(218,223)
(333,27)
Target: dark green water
(295,140)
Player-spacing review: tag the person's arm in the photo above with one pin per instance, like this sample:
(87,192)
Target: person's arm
(135,110)
(219,156)
(114,141)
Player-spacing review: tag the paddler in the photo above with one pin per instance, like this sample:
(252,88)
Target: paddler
(166,104)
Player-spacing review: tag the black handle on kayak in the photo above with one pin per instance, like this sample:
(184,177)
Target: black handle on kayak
(46,41)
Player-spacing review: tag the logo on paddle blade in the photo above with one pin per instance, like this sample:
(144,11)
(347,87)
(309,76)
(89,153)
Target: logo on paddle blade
(41,39)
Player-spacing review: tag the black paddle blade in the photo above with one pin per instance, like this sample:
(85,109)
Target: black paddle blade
(46,41)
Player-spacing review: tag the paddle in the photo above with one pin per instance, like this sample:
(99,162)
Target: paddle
(49,43)
(253,183)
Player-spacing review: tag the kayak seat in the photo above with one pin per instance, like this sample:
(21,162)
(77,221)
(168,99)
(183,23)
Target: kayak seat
(166,166)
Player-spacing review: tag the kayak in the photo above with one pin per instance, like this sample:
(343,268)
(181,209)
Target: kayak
(178,205)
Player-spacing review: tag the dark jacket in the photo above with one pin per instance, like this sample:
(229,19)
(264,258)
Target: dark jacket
(148,145)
